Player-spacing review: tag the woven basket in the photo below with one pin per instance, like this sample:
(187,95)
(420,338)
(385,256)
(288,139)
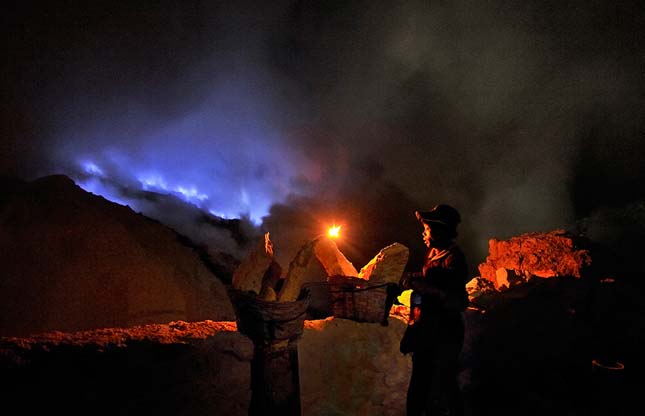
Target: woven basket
(268,322)
(358,300)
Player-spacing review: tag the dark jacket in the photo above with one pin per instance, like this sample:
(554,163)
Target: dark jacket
(442,289)
(445,275)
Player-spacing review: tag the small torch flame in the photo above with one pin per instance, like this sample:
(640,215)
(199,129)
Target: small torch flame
(334,231)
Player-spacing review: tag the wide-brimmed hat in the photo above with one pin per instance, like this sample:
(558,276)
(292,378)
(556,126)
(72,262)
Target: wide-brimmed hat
(441,214)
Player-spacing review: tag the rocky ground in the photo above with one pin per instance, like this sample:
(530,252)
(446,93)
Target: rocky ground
(523,356)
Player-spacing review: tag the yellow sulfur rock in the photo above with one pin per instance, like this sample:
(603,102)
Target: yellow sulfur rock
(387,266)
(249,274)
(297,270)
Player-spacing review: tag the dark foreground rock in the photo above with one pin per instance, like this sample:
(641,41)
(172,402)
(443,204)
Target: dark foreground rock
(200,368)
(555,329)
(533,355)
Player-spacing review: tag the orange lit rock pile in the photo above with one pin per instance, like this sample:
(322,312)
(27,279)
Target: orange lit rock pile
(518,259)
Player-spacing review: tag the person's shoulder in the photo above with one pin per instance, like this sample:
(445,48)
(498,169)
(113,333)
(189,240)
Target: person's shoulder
(455,254)
(456,251)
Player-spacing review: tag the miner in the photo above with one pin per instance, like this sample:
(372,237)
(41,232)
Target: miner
(435,332)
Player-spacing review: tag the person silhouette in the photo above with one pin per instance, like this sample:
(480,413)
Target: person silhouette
(435,333)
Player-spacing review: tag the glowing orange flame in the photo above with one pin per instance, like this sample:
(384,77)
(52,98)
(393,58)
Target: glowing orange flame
(334,231)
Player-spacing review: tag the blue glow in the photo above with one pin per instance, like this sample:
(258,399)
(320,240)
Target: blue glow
(217,214)
(226,155)
(238,204)
(191,193)
(244,197)
(92,168)
(153,182)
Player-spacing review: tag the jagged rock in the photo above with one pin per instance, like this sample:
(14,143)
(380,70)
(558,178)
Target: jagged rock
(250,273)
(296,274)
(268,294)
(478,287)
(387,266)
(72,260)
(271,281)
(543,255)
(316,260)
(332,259)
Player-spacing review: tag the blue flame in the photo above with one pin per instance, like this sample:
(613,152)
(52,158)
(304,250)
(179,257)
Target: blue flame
(227,155)
(97,182)
(153,182)
(92,169)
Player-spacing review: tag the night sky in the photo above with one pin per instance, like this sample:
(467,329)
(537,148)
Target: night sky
(524,115)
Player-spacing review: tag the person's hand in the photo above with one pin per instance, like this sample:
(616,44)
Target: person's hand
(422,286)
(408,279)
(404,281)
(419,284)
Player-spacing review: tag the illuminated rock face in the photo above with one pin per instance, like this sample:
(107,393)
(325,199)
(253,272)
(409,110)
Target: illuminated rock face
(332,259)
(351,368)
(74,261)
(388,265)
(544,255)
(249,275)
(316,260)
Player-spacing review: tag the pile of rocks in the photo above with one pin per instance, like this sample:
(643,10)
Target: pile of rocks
(521,258)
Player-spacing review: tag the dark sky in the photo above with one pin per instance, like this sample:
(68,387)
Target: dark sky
(523,115)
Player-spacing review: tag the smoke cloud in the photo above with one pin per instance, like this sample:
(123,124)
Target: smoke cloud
(301,114)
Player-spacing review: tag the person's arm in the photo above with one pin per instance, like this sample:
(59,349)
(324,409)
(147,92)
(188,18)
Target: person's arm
(446,289)
(420,284)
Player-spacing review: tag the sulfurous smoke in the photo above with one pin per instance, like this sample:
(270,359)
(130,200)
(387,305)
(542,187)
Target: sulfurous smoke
(297,115)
